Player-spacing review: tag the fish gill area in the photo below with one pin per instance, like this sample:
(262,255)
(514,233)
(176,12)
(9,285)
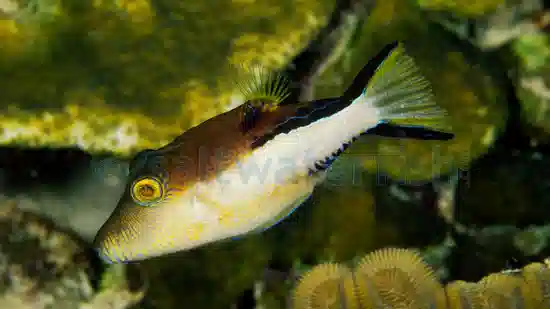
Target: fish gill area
(87,84)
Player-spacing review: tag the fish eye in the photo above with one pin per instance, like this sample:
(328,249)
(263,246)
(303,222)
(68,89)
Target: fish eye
(147,190)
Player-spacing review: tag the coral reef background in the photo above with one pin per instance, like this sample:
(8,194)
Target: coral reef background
(87,84)
(399,278)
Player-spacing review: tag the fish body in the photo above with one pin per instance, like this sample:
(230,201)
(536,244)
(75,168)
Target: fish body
(246,169)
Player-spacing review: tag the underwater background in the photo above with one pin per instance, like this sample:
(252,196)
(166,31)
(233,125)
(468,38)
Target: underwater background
(86,84)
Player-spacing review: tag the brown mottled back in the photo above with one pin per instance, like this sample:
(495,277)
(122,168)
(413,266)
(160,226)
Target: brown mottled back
(203,151)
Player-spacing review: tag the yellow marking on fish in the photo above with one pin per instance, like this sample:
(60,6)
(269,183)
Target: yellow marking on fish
(127,235)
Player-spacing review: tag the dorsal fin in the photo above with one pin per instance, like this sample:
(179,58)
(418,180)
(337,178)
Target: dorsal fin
(262,91)
(364,76)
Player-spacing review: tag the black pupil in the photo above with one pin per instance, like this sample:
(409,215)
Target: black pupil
(146,191)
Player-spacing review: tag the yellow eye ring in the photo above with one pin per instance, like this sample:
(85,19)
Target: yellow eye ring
(147,191)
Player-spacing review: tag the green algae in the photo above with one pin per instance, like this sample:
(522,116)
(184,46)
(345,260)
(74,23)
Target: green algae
(151,68)
(533,86)
(468,8)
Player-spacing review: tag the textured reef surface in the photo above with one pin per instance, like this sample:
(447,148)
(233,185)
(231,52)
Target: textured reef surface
(43,267)
(87,84)
(119,76)
(400,278)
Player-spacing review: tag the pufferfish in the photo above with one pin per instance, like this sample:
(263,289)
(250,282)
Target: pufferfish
(245,170)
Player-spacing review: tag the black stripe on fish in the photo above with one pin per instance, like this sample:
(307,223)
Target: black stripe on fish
(250,116)
(362,78)
(304,116)
(408,132)
(326,107)
(324,164)
(387,130)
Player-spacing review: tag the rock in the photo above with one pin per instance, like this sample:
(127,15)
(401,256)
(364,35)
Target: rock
(533,239)
(472,8)
(496,27)
(410,211)
(511,188)
(491,249)
(26,29)
(121,76)
(42,267)
(509,22)
(533,85)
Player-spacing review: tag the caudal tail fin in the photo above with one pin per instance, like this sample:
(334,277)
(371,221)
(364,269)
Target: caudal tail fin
(399,96)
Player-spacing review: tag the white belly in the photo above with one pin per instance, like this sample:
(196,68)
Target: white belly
(274,177)
(240,204)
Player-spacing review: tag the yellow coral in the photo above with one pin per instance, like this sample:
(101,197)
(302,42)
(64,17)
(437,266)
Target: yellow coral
(326,286)
(201,103)
(501,291)
(398,278)
(537,282)
(461,295)
(158,79)
(273,50)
